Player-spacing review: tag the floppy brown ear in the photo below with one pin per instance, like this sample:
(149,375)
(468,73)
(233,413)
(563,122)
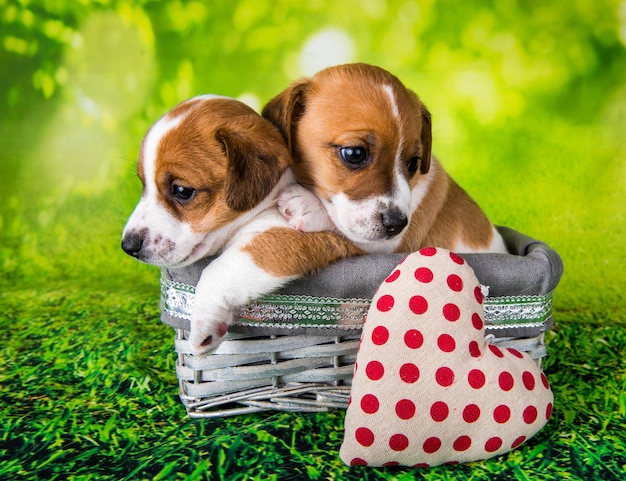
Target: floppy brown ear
(286,108)
(256,161)
(426,138)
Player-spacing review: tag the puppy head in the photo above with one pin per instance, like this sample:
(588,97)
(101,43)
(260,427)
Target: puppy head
(204,166)
(361,141)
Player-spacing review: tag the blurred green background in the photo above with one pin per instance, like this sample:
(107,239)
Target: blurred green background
(529,112)
(528,101)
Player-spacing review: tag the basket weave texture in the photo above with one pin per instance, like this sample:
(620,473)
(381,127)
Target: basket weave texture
(295,350)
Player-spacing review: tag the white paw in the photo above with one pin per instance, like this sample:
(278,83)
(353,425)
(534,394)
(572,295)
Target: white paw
(205,336)
(303,210)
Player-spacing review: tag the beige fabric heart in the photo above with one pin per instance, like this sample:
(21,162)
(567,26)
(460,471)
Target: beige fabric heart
(428,389)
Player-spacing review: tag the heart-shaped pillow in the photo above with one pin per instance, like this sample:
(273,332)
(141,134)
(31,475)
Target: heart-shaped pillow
(428,389)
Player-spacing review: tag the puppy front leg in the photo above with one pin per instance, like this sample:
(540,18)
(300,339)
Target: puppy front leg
(231,280)
(266,263)
(303,210)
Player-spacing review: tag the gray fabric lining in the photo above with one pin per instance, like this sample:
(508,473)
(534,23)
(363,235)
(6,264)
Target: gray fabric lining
(532,268)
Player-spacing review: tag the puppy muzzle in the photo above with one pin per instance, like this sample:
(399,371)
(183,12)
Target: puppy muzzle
(393,222)
(133,242)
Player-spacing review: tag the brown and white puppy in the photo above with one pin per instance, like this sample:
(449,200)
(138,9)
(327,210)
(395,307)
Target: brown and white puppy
(361,142)
(211,170)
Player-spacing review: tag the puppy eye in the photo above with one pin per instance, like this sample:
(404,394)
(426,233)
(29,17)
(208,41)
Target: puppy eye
(353,157)
(412,165)
(182,194)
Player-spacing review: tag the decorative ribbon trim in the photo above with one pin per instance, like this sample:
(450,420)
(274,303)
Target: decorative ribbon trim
(292,312)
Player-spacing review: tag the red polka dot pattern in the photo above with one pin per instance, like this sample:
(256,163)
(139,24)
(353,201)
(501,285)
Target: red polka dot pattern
(405,409)
(424,275)
(430,389)
(439,411)
(385,303)
(451,312)
(364,436)
(393,276)
(398,442)
(369,404)
(409,373)
(413,339)
(462,443)
(374,370)
(446,343)
(380,335)
(455,283)
(471,413)
(418,305)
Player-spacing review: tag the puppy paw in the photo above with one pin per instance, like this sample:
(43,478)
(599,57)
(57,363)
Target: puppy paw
(206,336)
(303,210)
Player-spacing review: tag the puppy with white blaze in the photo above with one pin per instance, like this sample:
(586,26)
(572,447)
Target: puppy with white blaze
(211,170)
(361,144)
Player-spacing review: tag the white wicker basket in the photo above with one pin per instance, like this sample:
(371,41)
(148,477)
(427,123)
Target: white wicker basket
(295,350)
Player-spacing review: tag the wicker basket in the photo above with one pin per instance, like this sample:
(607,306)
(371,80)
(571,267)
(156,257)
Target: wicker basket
(295,350)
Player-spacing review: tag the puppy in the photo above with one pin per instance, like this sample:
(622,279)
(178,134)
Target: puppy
(211,171)
(361,142)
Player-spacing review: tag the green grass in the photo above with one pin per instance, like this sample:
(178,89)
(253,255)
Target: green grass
(88,391)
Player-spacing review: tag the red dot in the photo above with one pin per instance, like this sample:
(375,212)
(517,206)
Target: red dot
(421,465)
(471,413)
(478,294)
(455,283)
(457,258)
(518,441)
(405,409)
(544,381)
(364,437)
(431,445)
(501,414)
(439,411)
(393,276)
(424,274)
(474,349)
(413,339)
(548,411)
(418,305)
(385,303)
(493,444)
(515,352)
(496,350)
(462,443)
(409,373)
(530,414)
(428,251)
(477,322)
(505,380)
(444,376)
(476,378)
(451,312)
(529,380)
(398,442)
(380,335)
(390,463)
(374,370)
(358,462)
(446,343)
(369,404)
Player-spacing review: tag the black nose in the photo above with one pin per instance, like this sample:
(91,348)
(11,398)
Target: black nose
(132,243)
(394,223)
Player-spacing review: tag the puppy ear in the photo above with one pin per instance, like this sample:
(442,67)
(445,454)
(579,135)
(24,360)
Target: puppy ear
(286,108)
(426,139)
(256,161)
